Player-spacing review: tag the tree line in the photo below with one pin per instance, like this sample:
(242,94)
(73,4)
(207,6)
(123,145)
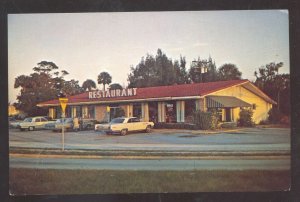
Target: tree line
(47,82)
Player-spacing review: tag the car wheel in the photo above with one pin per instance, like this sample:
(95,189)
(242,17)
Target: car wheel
(148,129)
(31,128)
(123,132)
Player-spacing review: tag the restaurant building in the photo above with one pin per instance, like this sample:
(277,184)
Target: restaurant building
(168,103)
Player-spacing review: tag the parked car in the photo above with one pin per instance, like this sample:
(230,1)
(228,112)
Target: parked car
(13,123)
(67,123)
(33,123)
(51,125)
(123,125)
(87,124)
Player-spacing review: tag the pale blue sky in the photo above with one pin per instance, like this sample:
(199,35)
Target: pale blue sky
(86,44)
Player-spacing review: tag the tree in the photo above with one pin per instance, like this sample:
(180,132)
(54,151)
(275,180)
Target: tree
(181,75)
(104,78)
(115,86)
(88,84)
(229,72)
(276,85)
(42,85)
(157,71)
(45,67)
(71,87)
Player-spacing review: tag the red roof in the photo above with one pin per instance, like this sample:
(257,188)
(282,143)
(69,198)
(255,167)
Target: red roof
(184,90)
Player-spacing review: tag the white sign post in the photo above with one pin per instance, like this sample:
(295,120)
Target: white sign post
(63,104)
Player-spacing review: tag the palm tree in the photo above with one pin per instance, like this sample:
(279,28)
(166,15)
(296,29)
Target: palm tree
(88,84)
(104,78)
(115,86)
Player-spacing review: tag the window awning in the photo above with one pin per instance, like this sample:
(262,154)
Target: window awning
(225,101)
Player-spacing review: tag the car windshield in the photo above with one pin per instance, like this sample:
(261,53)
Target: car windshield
(58,121)
(117,120)
(28,120)
(66,120)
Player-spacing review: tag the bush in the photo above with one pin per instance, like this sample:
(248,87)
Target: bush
(275,115)
(228,125)
(205,120)
(285,120)
(175,126)
(264,122)
(246,118)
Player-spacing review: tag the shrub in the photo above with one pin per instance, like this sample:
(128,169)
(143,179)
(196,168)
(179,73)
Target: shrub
(228,125)
(246,118)
(285,120)
(205,120)
(175,126)
(264,122)
(275,115)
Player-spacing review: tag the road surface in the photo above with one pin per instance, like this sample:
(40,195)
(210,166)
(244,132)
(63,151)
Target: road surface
(253,139)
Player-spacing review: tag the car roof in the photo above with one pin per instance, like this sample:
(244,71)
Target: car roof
(34,117)
(123,117)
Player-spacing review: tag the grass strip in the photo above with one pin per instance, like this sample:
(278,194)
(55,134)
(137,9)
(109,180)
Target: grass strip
(51,181)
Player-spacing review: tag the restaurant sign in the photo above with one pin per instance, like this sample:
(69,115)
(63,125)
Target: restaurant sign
(112,93)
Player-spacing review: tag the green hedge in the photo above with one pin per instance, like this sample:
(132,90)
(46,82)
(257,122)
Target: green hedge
(205,120)
(246,118)
(228,125)
(175,126)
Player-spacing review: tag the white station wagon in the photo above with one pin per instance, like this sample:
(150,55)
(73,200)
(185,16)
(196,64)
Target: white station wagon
(33,123)
(123,125)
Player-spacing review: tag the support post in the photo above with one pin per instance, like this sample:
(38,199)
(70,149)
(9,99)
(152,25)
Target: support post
(63,131)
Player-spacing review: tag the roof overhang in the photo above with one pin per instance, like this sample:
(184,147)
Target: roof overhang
(225,101)
(122,101)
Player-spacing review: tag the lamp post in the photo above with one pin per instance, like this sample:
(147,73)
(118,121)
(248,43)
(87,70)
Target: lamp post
(198,65)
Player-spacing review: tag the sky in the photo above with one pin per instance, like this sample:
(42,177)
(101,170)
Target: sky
(85,44)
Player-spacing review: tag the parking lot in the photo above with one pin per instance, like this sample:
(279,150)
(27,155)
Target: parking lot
(248,139)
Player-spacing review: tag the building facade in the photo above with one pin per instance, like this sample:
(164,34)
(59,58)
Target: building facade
(168,103)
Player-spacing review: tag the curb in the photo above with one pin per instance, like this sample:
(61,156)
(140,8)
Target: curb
(144,153)
(204,132)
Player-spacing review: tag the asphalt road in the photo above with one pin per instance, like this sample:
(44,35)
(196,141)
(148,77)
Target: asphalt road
(246,140)
(165,164)
(253,139)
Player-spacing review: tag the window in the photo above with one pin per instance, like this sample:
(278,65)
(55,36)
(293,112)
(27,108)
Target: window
(118,120)
(91,112)
(28,120)
(130,121)
(253,106)
(136,120)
